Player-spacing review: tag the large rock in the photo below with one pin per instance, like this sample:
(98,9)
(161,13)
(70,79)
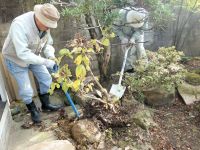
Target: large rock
(52,145)
(193,78)
(85,131)
(159,97)
(189,93)
(144,119)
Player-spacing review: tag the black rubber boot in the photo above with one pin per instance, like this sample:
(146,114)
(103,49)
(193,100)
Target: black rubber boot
(35,115)
(130,70)
(46,106)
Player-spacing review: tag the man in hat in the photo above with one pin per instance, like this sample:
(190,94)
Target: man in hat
(28,46)
(129,27)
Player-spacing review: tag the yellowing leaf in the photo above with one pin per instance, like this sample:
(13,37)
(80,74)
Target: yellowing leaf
(106,42)
(57,85)
(112,35)
(64,51)
(90,87)
(93,41)
(87,68)
(60,80)
(76,85)
(78,60)
(98,48)
(50,91)
(52,88)
(87,90)
(80,71)
(86,60)
(75,50)
(65,86)
(90,50)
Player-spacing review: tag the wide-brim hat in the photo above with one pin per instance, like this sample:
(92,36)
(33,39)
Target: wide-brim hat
(47,14)
(136,18)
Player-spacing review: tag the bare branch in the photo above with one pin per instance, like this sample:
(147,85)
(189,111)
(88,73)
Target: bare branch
(88,28)
(61,3)
(128,43)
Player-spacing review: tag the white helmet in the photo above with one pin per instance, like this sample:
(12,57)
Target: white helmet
(136,17)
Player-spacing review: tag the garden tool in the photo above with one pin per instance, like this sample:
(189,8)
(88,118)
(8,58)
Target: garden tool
(117,89)
(72,104)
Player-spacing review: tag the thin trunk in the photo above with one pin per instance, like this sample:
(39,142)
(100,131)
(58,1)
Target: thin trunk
(182,26)
(177,24)
(103,58)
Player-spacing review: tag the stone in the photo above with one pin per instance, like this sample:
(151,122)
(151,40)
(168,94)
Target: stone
(85,131)
(143,146)
(43,136)
(116,148)
(159,97)
(81,99)
(70,113)
(189,93)
(144,119)
(192,78)
(53,145)
(57,98)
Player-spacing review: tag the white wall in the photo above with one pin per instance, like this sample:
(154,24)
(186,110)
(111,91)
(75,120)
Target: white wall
(6,119)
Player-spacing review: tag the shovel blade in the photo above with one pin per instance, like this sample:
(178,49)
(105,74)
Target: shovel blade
(117,90)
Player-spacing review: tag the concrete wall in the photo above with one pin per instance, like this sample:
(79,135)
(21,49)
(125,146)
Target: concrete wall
(5,117)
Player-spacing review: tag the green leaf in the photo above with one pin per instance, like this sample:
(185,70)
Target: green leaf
(64,51)
(60,80)
(86,61)
(89,50)
(52,88)
(112,35)
(76,85)
(57,85)
(80,71)
(78,60)
(76,50)
(106,42)
(65,86)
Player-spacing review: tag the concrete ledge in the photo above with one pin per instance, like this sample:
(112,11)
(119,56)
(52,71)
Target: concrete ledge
(5,127)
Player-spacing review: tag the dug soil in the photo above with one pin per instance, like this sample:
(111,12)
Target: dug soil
(178,128)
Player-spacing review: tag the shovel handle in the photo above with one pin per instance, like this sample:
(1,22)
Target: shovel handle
(123,66)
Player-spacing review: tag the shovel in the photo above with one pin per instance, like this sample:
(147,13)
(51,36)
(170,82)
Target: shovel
(117,89)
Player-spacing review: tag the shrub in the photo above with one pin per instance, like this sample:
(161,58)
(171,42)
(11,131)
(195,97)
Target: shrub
(162,71)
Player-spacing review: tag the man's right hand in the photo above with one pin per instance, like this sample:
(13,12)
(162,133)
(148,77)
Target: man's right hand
(124,41)
(49,63)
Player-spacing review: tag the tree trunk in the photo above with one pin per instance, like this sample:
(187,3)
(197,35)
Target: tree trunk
(104,57)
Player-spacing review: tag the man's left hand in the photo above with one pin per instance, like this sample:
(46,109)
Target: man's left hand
(55,68)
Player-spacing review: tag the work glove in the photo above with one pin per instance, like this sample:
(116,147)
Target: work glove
(124,40)
(49,63)
(132,41)
(55,68)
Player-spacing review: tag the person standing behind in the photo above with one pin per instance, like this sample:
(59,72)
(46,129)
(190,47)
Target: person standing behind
(28,46)
(129,28)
